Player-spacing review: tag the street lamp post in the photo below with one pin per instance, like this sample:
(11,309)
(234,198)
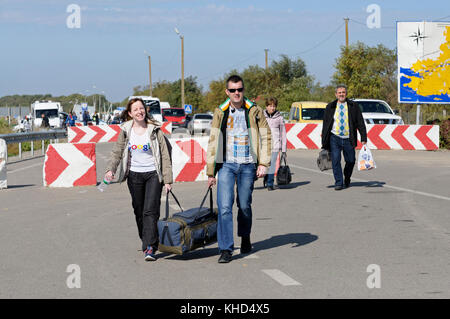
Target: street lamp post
(182,66)
(149,72)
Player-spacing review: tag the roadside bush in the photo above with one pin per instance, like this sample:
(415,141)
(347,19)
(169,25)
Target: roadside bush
(444,134)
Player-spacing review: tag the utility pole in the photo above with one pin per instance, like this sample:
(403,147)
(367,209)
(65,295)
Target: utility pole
(182,71)
(267,59)
(182,66)
(346,32)
(150,73)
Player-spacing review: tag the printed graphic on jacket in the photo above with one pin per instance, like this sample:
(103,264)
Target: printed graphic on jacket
(238,145)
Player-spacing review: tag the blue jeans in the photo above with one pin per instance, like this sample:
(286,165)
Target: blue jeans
(243,175)
(338,145)
(273,166)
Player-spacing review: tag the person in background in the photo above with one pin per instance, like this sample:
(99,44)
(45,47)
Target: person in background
(86,118)
(71,118)
(341,119)
(45,122)
(96,118)
(278,130)
(142,157)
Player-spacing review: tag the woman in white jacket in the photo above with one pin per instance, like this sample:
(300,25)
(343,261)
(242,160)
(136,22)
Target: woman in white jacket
(278,130)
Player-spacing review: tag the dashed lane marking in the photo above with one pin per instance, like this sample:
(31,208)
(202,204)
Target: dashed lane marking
(281,277)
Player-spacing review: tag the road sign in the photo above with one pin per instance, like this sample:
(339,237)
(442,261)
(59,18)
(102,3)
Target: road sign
(188,108)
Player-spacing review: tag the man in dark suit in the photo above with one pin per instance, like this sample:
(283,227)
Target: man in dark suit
(341,120)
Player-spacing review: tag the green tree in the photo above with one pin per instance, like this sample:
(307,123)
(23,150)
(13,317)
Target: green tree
(368,72)
(288,69)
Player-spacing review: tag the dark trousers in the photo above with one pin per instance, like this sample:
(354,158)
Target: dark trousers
(145,190)
(338,145)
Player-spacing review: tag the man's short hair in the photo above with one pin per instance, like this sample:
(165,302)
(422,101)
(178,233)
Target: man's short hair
(341,86)
(235,79)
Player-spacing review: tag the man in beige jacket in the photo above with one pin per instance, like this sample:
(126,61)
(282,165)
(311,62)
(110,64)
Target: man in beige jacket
(239,152)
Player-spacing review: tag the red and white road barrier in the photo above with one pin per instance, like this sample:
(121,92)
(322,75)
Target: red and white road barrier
(68,165)
(189,159)
(101,133)
(402,137)
(93,133)
(379,136)
(303,136)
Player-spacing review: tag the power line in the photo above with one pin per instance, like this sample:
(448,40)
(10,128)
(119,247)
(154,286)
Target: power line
(230,67)
(321,42)
(365,24)
(442,18)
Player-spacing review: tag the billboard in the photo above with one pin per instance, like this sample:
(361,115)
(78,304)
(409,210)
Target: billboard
(423,52)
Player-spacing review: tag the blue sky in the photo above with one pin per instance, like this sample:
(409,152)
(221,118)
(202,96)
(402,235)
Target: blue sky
(41,54)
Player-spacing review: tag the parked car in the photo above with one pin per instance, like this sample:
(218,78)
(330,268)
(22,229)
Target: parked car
(175,115)
(200,122)
(378,112)
(307,112)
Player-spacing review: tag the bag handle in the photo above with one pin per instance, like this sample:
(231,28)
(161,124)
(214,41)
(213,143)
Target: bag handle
(210,200)
(167,203)
(283,157)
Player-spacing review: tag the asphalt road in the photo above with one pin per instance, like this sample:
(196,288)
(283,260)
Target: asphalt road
(387,236)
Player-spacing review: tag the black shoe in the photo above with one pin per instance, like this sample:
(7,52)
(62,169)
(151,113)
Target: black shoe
(338,188)
(265,181)
(225,257)
(347,183)
(270,188)
(246,245)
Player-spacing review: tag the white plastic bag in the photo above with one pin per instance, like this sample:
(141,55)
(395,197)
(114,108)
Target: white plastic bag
(365,159)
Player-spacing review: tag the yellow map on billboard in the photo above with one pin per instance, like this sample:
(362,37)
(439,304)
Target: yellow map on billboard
(423,62)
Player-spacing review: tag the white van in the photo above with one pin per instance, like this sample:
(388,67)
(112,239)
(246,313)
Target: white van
(152,105)
(165,105)
(377,112)
(50,109)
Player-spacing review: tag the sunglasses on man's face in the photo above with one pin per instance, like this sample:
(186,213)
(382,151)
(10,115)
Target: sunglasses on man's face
(234,90)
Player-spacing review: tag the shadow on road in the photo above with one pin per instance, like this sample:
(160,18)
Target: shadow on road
(20,186)
(289,186)
(297,239)
(293,185)
(364,184)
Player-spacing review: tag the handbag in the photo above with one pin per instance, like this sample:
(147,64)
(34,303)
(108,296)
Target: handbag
(324,160)
(284,175)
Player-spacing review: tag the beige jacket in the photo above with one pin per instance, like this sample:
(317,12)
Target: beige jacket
(259,132)
(120,156)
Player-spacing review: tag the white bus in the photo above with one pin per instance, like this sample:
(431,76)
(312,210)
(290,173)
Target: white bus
(152,104)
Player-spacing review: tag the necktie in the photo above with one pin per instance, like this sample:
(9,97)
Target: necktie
(342,121)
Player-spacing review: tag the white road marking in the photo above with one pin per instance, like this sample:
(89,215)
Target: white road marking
(281,277)
(250,256)
(24,168)
(384,185)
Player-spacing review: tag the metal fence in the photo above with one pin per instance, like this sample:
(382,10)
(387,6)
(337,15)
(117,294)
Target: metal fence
(15,111)
(19,138)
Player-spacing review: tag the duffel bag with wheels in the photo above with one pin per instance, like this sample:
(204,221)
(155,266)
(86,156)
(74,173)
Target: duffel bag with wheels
(189,229)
